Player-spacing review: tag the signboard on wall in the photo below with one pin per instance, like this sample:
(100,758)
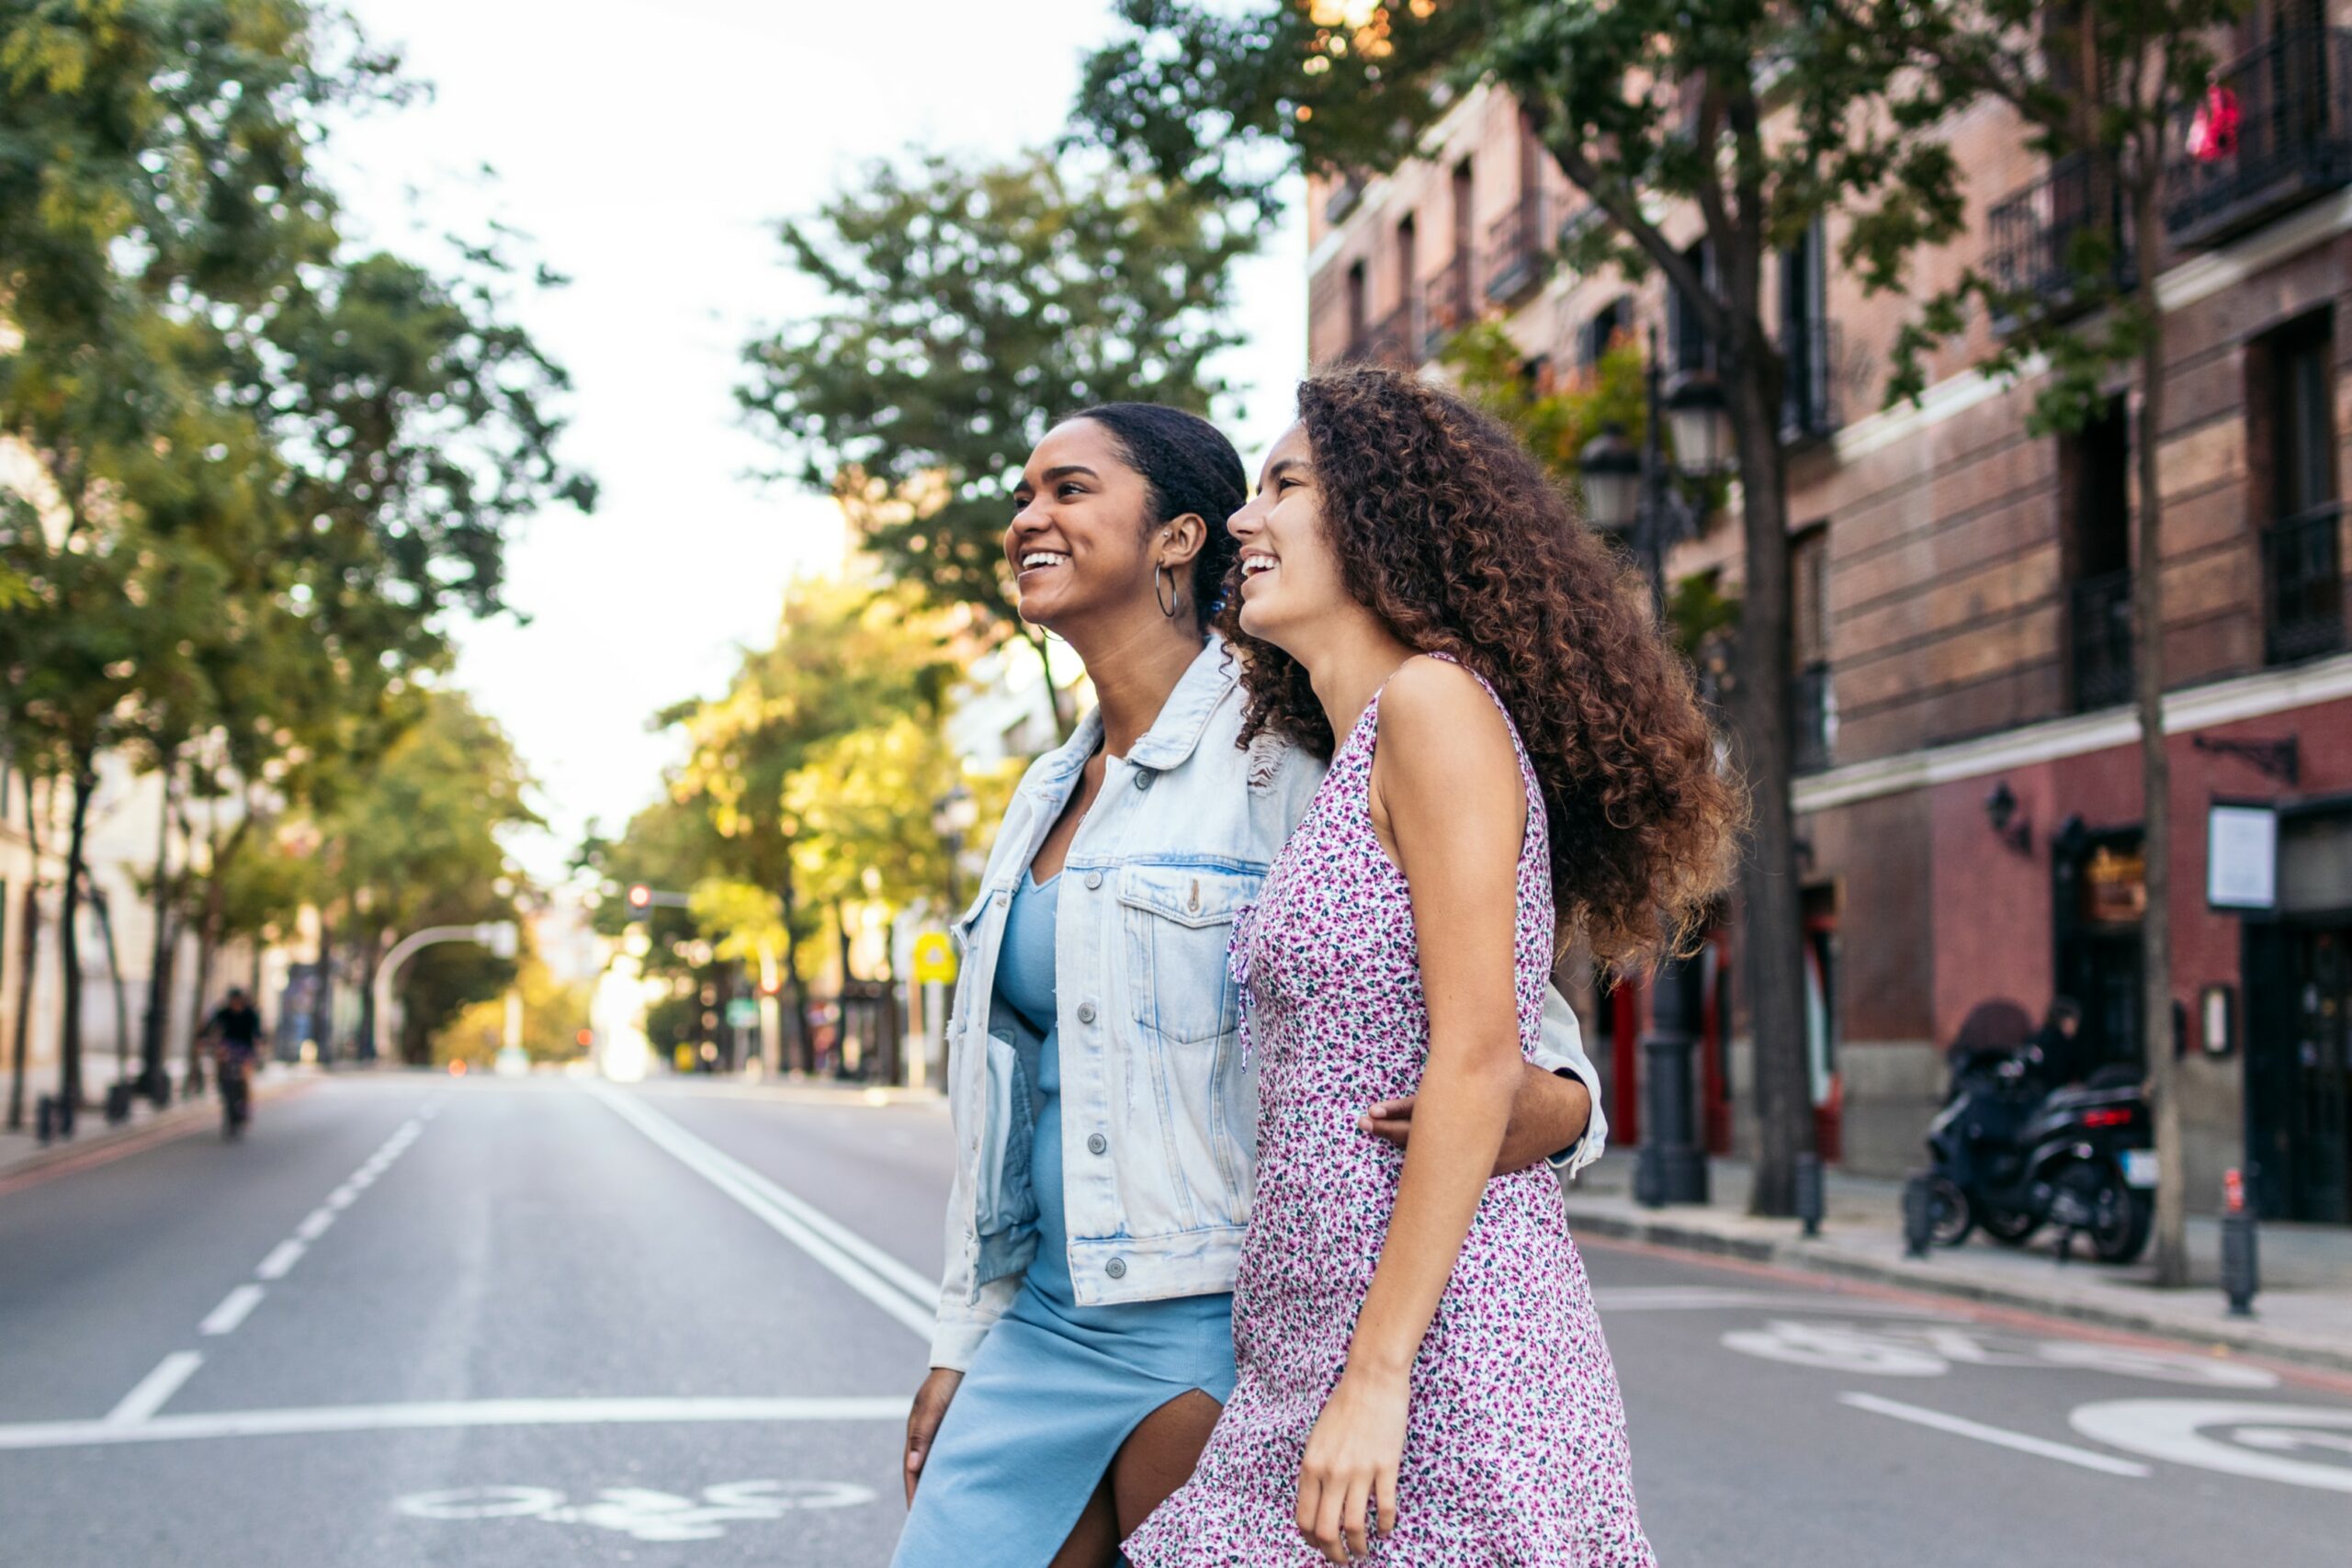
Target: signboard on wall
(2241,857)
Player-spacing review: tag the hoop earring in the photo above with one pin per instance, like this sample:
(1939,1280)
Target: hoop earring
(1166,608)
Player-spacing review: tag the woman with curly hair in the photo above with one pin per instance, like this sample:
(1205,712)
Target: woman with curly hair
(1103,1111)
(1519,756)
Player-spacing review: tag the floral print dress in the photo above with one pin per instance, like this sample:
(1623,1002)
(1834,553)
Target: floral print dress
(1515,1447)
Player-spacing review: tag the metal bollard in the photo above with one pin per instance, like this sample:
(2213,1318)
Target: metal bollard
(1809,1192)
(1918,1222)
(2240,1273)
(45,1119)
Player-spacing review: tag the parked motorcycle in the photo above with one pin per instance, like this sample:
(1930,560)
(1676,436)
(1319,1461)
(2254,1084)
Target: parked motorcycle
(2012,1155)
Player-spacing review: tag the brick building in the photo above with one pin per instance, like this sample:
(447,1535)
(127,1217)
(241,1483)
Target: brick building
(1970,803)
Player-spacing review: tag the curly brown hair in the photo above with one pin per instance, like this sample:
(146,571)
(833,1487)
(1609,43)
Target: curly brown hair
(1447,529)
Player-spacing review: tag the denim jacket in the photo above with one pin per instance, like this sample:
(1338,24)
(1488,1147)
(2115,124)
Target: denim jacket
(1158,1108)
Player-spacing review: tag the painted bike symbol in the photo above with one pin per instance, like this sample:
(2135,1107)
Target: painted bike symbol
(1929,1351)
(640,1511)
(2299,1445)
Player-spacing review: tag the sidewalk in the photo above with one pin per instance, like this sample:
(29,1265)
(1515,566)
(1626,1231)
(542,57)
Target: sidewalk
(2303,1312)
(23,1157)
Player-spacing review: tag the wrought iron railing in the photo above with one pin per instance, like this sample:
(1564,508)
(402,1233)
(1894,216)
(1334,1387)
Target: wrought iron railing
(2302,579)
(1445,304)
(2099,636)
(1812,717)
(2062,242)
(2273,129)
(1516,244)
(1810,407)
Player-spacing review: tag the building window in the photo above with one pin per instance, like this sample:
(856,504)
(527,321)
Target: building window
(1358,307)
(1808,406)
(2292,435)
(2094,539)
(1815,706)
(1464,193)
(1686,344)
(1612,318)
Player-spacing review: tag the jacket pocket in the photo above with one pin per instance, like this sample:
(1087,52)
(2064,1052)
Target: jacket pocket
(1007,1199)
(1178,921)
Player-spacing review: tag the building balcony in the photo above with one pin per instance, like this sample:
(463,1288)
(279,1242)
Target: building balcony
(2274,130)
(2070,228)
(1445,305)
(1517,244)
(1810,408)
(1392,340)
(2099,641)
(1812,717)
(2303,585)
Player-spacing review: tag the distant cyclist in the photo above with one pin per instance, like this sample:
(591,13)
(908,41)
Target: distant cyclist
(235,1029)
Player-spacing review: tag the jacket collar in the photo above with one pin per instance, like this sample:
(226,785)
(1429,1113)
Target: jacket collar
(1174,734)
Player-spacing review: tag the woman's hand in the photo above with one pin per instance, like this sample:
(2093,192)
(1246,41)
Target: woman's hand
(1550,1112)
(922,1421)
(1350,1464)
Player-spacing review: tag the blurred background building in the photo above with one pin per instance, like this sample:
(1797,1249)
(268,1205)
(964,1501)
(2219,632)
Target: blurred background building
(1969,797)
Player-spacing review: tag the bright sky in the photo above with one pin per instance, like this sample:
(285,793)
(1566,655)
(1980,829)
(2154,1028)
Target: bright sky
(648,150)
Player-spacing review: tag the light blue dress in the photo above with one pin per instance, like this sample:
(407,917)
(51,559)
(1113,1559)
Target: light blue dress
(1055,1387)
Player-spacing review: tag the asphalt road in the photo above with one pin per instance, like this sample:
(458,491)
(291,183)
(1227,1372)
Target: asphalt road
(412,1321)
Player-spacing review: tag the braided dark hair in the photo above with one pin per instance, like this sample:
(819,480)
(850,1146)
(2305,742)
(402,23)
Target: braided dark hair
(1187,466)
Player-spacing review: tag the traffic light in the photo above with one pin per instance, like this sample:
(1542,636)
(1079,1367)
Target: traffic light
(640,899)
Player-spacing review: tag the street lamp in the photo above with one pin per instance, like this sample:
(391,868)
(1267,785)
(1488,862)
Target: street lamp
(1638,497)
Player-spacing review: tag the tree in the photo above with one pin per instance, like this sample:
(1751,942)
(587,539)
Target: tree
(964,308)
(843,658)
(1731,108)
(2103,87)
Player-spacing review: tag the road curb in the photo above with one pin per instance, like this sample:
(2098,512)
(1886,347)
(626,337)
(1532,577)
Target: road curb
(176,1120)
(2251,1338)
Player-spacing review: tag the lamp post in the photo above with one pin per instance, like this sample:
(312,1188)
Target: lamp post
(1649,504)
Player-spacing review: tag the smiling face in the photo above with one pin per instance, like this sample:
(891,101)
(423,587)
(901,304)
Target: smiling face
(1079,545)
(1290,574)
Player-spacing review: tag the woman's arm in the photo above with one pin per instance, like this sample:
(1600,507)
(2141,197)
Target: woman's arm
(1550,1113)
(1447,790)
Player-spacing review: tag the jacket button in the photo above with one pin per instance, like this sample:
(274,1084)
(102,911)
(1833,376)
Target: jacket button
(1096,1144)
(1086,1012)
(1143,778)
(1116,1268)
(1093,880)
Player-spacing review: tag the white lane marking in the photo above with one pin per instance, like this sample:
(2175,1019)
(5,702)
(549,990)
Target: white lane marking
(314,1223)
(233,1310)
(2255,1440)
(439,1414)
(1998,1436)
(342,1196)
(640,1511)
(363,1180)
(889,1284)
(157,1386)
(281,1258)
(1709,1297)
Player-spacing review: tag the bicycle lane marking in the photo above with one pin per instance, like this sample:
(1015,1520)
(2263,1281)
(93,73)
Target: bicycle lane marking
(903,1295)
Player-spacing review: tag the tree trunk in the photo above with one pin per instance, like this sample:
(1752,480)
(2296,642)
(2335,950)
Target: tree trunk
(795,986)
(2155,772)
(152,1080)
(69,948)
(323,1006)
(114,978)
(1771,934)
(28,967)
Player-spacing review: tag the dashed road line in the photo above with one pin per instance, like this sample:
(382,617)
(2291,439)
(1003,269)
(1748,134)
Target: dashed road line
(315,1225)
(282,1256)
(148,1397)
(224,1318)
